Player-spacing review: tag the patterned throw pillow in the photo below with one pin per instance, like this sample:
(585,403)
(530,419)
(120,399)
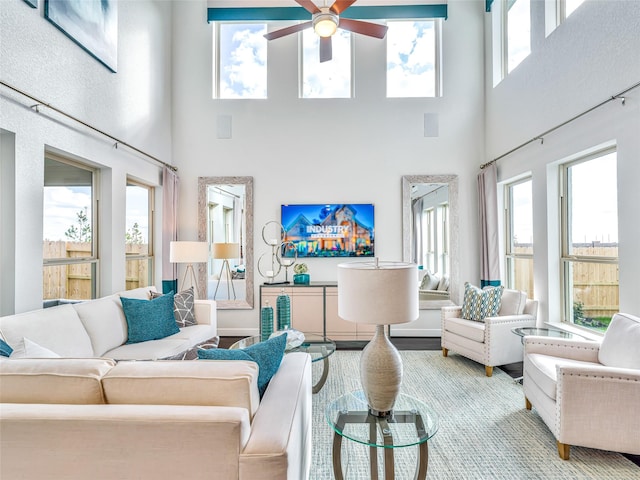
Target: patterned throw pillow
(183,309)
(479,304)
(5,348)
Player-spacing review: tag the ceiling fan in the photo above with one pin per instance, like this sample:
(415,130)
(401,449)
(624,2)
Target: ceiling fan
(325,21)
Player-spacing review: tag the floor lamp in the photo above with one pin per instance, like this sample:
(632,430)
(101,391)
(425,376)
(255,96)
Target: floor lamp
(379,293)
(225,251)
(189,253)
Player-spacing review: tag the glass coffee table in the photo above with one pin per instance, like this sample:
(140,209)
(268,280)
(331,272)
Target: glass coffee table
(545,332)
(411,423)
(318,346)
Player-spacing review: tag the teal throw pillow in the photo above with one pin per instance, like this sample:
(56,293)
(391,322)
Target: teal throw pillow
(481,303)
(149,319)
(268,355)
(5,349)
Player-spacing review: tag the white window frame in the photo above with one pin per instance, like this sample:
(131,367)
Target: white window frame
(149,256)
(567,258)
(215,67)
(91,259)
(510,256)
(437,31)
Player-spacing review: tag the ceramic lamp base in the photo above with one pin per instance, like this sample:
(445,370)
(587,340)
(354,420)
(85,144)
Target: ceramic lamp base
(381,373)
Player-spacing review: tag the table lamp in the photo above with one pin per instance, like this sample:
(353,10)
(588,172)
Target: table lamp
(225,251)
(379,293)
(189,253)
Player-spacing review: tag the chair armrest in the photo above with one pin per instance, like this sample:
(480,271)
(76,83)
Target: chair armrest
(450,312)
(598,407)
(510,321)
(581,350)
(206,312)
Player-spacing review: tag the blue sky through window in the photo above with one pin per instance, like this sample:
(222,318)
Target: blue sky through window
(243,60)
(411,59)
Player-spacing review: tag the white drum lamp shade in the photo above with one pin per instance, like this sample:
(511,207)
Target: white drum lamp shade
(188,252)
(379,293)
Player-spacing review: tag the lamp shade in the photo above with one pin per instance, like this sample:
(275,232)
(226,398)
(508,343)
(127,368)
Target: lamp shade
(188,252)
(225,250)
(379,293)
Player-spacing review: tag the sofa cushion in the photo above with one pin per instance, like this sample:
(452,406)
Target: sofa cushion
(149,319)
(267,355)
(5,348)
(183,307)
(466,328)
(542,369)
(195,334)
(57,328)
(150,350)
(430,281)
(512,302)
(229,384)
(443,285)
(480,303)
(105,323)
(28,349)
(620,346)
(53,380)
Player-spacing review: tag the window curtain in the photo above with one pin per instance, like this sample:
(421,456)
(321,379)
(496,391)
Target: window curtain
(416,238)
(170,182)
(489,236)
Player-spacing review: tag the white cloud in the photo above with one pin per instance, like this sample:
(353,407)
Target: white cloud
(243,65)
(61,207)
(411,57)
(330,79)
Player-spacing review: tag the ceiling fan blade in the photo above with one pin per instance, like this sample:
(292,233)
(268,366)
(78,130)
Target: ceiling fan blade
(309,6)
(363,28)
(325,49)
(340,6)
(287,31)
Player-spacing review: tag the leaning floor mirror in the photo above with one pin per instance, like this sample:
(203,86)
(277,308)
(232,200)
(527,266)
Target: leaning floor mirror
(225,222)
(430,236)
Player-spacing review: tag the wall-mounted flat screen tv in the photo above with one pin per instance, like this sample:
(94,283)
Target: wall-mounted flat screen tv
(330,230)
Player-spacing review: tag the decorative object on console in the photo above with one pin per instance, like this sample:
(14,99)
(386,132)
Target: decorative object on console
(295,338)
(287,256)
(225,251)
(283,310)
(266,321)
(379,293)
(189,253)
(301,277)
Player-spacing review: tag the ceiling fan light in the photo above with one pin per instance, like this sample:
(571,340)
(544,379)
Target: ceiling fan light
(325,24)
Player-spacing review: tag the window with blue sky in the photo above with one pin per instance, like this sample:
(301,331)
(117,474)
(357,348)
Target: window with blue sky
(330,79)
(518,30)
(241,52)
(412,59)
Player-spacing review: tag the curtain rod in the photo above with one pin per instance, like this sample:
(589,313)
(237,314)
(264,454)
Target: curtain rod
(40,103)
(540,137)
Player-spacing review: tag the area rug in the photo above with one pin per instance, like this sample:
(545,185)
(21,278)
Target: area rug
(485,432)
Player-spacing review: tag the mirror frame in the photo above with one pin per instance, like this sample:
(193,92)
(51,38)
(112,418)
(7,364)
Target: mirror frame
(454,230)
(203,185)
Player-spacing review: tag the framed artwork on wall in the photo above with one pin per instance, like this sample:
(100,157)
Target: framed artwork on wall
(92,25)
(32,3)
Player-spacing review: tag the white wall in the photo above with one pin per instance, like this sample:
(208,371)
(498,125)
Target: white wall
(132,105)
(592,56)
(307,151)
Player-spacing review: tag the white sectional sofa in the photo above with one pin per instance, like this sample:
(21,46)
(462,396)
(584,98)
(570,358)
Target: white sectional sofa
(93,418)
(98,328)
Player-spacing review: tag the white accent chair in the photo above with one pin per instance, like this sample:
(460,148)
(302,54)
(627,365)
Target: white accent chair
(588,393)
(490,342)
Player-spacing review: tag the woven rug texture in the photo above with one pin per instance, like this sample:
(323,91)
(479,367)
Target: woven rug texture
(484,432)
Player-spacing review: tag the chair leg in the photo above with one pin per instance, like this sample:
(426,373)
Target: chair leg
(563,450)
(527,403)
(445,352)
(488,370)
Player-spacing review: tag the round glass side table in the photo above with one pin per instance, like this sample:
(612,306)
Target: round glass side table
(318,346)
(412,423)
